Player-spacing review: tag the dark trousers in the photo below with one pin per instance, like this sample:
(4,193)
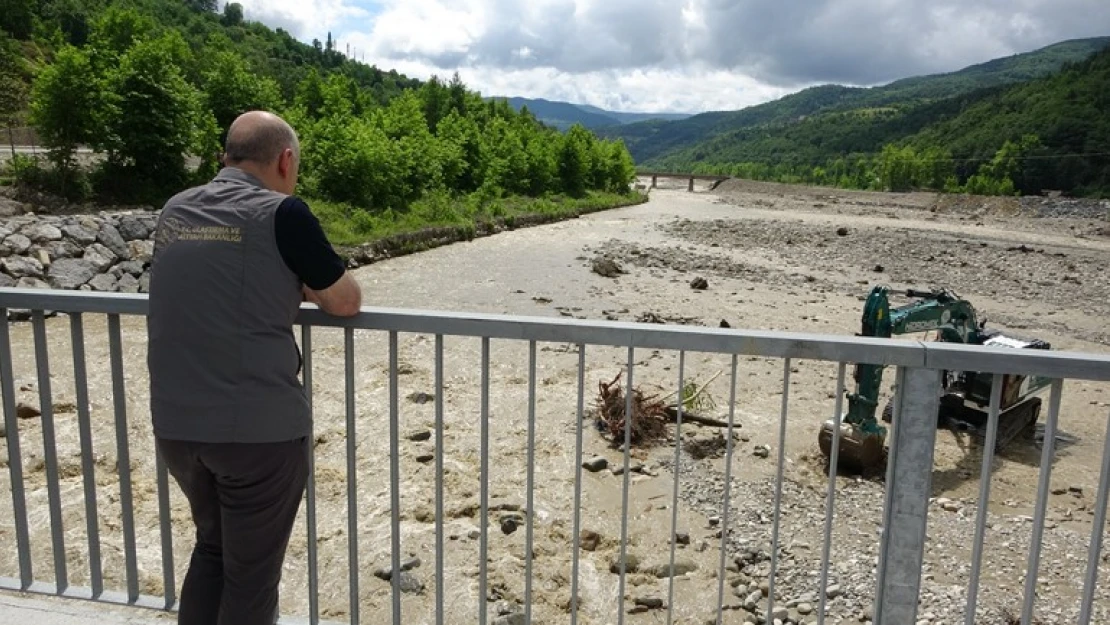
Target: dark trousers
(244,499)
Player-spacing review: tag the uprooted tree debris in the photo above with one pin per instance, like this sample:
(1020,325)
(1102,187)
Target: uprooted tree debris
(650,413)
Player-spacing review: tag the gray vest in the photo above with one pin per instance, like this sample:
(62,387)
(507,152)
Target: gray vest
(222,358)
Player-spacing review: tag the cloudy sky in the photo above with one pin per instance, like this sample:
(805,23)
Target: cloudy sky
(679,55)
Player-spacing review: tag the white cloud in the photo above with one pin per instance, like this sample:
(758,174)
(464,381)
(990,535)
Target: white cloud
(304,19)
(689,55)
(426,29)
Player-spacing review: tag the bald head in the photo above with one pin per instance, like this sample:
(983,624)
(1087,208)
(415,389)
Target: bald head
(259,137)
(264,145)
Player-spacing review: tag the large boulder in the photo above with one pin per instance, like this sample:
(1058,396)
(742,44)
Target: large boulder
(142,251)
(133,268)
(80,234)
(42,232)
(112,239)
(104,282)
(64,249)
(71,273)
(17,243)
(128,284)
(100,256)
(133,227)
(22,267)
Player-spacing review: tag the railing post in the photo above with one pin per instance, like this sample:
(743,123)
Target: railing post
(654,181)
(909,486)
(691,187)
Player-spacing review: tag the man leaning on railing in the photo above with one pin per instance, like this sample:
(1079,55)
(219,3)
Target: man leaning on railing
(233,260)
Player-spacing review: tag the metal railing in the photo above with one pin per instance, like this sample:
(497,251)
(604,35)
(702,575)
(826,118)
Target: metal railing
(83,560)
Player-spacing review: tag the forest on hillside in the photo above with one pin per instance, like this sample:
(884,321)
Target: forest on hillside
(152,85)
(1046,131)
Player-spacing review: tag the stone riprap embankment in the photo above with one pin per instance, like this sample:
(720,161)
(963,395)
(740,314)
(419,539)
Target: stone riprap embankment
(107,252)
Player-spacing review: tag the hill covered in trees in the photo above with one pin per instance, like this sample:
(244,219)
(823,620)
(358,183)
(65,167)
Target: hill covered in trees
(151,86)
(1014,119)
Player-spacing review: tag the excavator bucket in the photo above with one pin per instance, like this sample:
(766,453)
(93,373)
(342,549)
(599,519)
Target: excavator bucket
(858,451)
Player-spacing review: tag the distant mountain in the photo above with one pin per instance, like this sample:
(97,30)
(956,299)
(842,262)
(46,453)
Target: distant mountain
(1050,132)
(563,115)
(632,118)
(1008,70)
(701,136)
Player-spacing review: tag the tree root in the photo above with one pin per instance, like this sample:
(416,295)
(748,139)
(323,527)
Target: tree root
(651,414)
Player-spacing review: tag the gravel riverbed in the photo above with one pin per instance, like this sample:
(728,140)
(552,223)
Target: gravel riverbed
(758,256)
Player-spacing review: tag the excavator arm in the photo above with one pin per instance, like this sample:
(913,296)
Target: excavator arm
(940,311)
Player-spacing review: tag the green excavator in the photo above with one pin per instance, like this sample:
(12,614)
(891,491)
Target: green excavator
(965,395)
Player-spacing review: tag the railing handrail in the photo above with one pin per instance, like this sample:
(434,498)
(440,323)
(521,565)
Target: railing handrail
(676,174)
(764,343)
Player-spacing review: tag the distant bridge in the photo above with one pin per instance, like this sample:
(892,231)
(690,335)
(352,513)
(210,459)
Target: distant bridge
(656,175)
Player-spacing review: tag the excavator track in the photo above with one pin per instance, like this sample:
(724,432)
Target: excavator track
(863,453)
(1012,423)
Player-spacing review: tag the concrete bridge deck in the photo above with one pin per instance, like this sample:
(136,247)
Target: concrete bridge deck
(34,609)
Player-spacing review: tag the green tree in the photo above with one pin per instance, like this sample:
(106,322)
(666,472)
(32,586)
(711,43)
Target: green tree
(897,168)
(231,89)
(506,163)
(16,18)
(620,170)
(310,94)
(233,14)
(352,160)
(13,89)
(574,160)
(342,96)
(1017,162)
(461,149)
(543,172)
(155,114)
(67,106)
(404,124)
(208,144)
(1006,172)
(202,6)
(936,168)
(436,98)
(116,30)
(459,99)
(71,16)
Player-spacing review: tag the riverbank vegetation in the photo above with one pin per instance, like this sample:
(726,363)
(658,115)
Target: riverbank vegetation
(150,87)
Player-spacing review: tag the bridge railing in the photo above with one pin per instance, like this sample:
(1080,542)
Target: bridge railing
(490,472)
(690,178)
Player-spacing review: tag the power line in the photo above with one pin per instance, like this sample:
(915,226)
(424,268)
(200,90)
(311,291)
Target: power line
(1016,158)
(871,155)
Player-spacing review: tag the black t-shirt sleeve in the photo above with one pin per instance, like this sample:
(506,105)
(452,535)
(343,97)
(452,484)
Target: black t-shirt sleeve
(304,247)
